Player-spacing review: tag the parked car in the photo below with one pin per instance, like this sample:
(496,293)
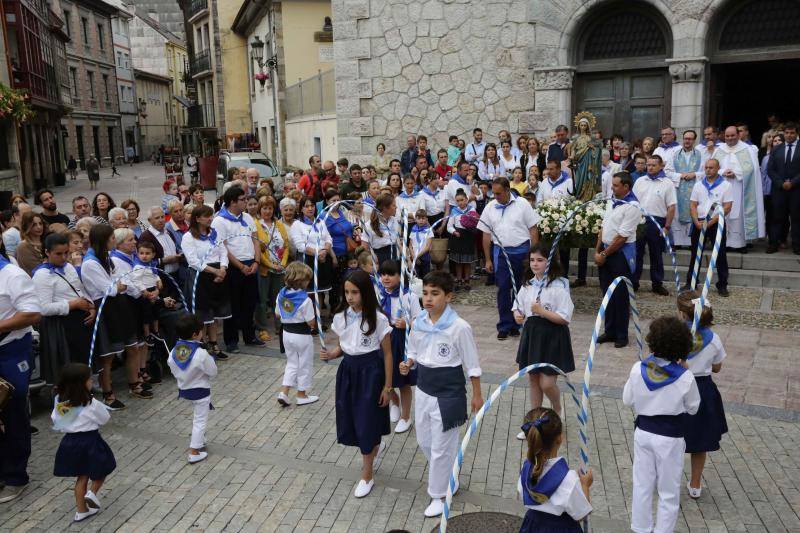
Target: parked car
(258,160)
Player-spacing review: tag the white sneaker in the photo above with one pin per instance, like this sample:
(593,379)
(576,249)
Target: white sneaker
(435,508)
(394,413)
(402,426)
(83,516)
(363,488)
(521,435)
(197,458)
(284,400)
(92,500)
(307,400)
(694,493)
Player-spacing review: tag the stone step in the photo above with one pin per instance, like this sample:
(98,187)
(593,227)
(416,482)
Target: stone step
(781,262)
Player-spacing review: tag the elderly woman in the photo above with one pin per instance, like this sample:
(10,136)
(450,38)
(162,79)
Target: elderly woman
(84,226)
(30,253)
(132,210)
(273,237)
(288,209)
(118,218)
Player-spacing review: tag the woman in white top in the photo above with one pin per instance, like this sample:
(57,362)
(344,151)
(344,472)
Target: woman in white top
(311,238)
(410,201)
(208,297)
(507,158)
(65,308)
(491,166)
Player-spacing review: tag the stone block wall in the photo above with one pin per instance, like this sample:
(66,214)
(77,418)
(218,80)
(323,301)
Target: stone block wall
(439,67)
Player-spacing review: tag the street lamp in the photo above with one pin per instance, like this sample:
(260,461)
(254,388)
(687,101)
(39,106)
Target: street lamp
(143,107)
(257,51)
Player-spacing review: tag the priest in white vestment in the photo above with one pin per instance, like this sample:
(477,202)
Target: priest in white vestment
(684,169)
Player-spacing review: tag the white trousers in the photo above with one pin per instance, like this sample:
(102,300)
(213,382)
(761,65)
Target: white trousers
(680,237)
(440,447)
(199,421)
(657,464)
(299,361)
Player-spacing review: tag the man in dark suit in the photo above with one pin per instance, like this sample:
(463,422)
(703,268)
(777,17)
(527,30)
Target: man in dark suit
(784,171)
(556,150)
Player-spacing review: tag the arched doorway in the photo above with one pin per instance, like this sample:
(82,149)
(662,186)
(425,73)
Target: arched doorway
(754,48)
(621,74)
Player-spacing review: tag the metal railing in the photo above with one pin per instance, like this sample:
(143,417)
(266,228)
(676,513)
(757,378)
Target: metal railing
(200,116)
(196,6)
(201,62)
(312,96)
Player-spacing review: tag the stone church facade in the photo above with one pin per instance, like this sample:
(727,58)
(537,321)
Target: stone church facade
(443,67)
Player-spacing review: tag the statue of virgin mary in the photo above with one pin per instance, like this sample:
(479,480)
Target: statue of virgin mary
(585,156)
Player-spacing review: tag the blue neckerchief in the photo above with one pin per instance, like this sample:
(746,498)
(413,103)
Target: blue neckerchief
(183,352)
(369,201)
(406,195)
(152,265)
(630,197)
(386,298)
(561,179)
(711,186)
(445,321)
(90,256)
(538,283)
(545,486)
(702,338)
(748,141)
(3,262)
(656,376)
(308,221)
(458,178)
(416,228)
(658,176)
(289,301)
(503,207)
(212,236)
(430,193)
(456,211)
(224,213)
(48,266)
(66,414)
(669,145)
(124,257)
(637,175)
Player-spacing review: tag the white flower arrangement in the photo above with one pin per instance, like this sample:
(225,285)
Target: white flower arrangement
(579,231)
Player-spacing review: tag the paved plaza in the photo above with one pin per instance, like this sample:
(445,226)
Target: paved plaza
(280,469)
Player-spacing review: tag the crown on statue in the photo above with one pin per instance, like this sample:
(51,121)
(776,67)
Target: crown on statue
(587,116)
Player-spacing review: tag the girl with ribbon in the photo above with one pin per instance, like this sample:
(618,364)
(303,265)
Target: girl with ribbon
(461,223)
(704,429)
(545,308)
(82,453)
(193,368)
(410,200)
(556,497)
(208,259)
(298,321)
(383,229)
(311,238)
(660,391)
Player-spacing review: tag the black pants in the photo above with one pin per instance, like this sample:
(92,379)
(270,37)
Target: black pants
(16,361)
(618,310)
(722,257)
(583,260)
(244,297)
(655,246)
(785,206)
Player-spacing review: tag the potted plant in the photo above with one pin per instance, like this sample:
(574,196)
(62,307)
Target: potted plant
(262,77)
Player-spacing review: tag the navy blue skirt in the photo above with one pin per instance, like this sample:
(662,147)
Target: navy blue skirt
(543,341)
(84,454)
(539,522)
(398,339)
(704,430)
(360,421)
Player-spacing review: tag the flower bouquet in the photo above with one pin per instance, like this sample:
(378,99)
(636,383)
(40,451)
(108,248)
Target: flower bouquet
(582,229)
(15,104)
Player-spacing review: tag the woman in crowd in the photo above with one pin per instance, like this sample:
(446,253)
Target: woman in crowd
(626,157)
(136,225)
(507,158)
(76,249)
(18,199)
(30,252)
(251,207)
(101,205)
(273,237)
(383,229)
(533,157)
(84,226)
(196,197)
(395,183)
(490,166)
(381,162)
(312,240)
(118,218)
(648,145)
(341,232)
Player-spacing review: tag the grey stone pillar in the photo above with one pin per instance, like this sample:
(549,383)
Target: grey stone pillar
(553,106)
(688,87)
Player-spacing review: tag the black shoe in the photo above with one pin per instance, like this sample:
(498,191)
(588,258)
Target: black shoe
(489,283)
(514,333)
(635,287)
(743,250)
(771,249)
(577,283)
(502,335)
(723,291)
(255,342)
(661,290)
(604,338)
(221,356)
(796,251)
(34,430)
(621,343)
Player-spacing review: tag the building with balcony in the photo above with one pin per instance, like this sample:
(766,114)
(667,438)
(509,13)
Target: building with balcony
(35,36)
(216,83)
(156,120)
(294,111)
(167,12)
(94,126)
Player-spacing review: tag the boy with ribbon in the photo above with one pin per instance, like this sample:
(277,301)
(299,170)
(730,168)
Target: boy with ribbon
(660,390)
(441,348)
(193,368)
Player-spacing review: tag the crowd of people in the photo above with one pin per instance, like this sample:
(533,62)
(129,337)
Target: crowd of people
(339,246)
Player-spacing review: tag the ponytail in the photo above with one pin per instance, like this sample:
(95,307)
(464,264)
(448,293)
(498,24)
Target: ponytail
(542,428)
(382,202)
(375,222)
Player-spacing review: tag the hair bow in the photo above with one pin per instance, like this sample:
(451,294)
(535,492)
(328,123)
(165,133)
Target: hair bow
(696,303)
(534,423)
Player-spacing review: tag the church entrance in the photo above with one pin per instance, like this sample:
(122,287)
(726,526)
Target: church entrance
(622,76)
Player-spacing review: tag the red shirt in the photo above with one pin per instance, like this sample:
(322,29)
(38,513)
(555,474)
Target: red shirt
(443,171)
(307,183)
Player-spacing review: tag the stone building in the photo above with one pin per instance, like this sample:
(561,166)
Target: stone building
(446,66)
(156,124)
(94,125)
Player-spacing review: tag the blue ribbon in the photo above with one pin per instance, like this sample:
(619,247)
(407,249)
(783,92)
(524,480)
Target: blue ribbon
(545,486)
(48,266)
(711,186)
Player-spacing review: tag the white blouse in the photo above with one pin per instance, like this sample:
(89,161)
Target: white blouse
(55,292)
(305,236)
(712,354)
(87,418)
(390,230)
(489,170)
(352,337)
(200,253)
(96,280)
(568,497)
(121,272)
(555,297)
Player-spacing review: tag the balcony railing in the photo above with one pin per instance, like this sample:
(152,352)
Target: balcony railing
(201,62)
(200,116)
(312,96)
(196,6)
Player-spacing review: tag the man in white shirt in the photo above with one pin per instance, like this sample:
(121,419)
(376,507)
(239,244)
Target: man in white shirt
(615,255)
(668,146)
(511,223)
(474,150)
(656,194)
(711,191)
(237,230)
